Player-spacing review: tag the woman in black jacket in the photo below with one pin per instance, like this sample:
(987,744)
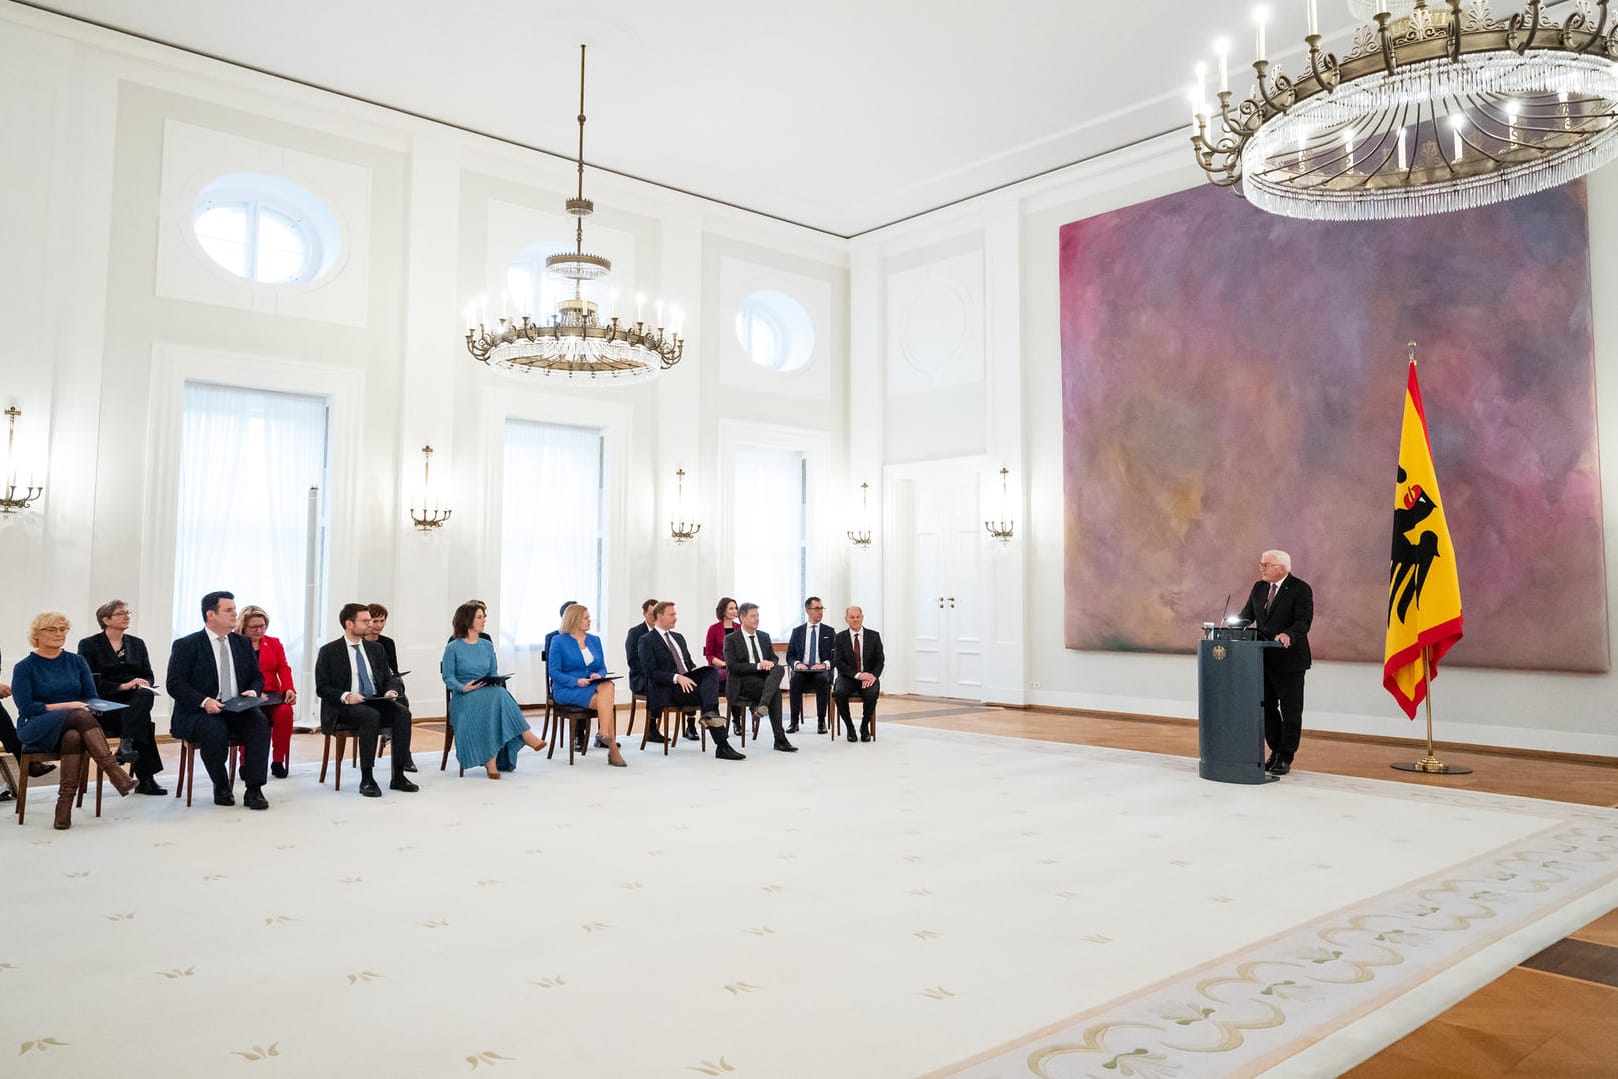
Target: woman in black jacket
(123,673)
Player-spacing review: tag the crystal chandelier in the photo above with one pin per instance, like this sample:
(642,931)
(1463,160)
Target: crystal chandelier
(1434,108)
(574,342)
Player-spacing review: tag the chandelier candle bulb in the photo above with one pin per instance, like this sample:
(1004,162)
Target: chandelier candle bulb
(1314,20)
(1261,16)
(1222,48)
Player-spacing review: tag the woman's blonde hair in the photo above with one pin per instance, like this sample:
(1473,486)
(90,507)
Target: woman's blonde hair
(573,618)
(43,621)
(248,612)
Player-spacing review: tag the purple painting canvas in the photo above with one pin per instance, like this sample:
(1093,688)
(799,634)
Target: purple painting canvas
(1233,381)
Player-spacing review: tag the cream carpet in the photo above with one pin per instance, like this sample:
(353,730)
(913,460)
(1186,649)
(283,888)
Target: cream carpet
(932,904)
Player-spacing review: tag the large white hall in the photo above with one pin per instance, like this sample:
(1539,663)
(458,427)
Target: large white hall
(242,250)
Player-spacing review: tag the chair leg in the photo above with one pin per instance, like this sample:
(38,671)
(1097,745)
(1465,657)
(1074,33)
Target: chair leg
(337,778)
(179,778)
(234,753)
(449,740)
(630,733)
(190,772)
(325,758)
(23,761)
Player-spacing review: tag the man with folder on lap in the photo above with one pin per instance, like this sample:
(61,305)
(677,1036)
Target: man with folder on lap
(351,678)
(208,669)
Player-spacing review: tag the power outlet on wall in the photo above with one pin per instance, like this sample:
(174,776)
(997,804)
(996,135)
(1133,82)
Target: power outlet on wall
(1033,685)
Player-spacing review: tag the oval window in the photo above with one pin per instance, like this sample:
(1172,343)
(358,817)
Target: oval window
(265,229)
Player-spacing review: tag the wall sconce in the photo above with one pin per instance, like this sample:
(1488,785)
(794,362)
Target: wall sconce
(13,501)
(683,531)
(861,538)
(427,512)
(1002,529)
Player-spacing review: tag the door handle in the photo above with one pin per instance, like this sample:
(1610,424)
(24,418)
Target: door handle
(941,603)
(952,603)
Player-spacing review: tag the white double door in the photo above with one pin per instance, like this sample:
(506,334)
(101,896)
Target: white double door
(941,575)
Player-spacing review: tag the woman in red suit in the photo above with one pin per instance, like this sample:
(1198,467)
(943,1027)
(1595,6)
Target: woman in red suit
(713,647)
(272,662)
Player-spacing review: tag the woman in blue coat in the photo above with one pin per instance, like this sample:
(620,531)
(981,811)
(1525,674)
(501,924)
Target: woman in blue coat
(577,665)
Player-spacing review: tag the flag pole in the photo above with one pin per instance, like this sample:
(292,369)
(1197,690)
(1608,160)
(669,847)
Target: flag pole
(1430,764)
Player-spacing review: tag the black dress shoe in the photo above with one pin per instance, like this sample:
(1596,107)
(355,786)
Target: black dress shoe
(278,769)
(400,783)
(409,766)
(723,752)
(369,789)
(691,734)
(865,734)
(127,753)
(223,797)
(149,786)
(821,728)
(792,727)
(1281,768)
(655,738)
(1269,762)
(254,799)
(40,768)
(785,746)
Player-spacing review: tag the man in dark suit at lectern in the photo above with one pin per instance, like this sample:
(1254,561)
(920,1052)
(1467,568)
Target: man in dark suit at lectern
(206,669)
(1282,607)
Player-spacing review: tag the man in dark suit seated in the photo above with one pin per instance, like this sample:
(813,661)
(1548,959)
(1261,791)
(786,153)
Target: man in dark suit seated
(351,680)
(859,665)
(809,653)
(671,678)
(637,676)
(206,669)
(754,675)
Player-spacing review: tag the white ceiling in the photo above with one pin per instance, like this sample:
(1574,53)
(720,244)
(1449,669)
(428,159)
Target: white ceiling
(839,115)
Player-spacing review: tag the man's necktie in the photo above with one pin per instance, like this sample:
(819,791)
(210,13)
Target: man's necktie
(1274,588)
(224,669)
(859,664)
(752,648)
(366,688)
(679,662)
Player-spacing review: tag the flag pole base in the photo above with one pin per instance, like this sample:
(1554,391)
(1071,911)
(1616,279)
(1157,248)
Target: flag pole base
(1431,765)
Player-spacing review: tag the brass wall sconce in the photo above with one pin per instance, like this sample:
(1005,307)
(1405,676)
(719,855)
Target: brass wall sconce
(428,513)
(682,531)
(1002,529)
(13,500)
(861,537)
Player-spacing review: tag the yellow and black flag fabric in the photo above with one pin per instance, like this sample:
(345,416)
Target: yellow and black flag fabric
(1424,589)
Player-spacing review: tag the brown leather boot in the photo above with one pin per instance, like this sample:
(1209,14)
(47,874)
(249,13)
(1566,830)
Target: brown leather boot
(95,742)
(68,789)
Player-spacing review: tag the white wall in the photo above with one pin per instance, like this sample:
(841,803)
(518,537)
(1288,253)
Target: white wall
(1551,711)
(102,316)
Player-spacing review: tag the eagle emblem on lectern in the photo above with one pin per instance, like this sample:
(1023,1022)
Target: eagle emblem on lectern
(1219,651)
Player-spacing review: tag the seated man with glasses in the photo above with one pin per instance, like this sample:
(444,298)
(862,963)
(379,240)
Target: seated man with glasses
(809,658)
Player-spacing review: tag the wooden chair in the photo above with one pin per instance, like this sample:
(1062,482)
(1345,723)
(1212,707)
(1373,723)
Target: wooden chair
(560,717)
(342,734)
(30,757)
(449,735)
(187,777)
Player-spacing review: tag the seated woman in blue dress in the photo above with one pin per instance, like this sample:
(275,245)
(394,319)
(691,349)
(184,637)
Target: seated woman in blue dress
(577,662)
(489,727)
(51,686)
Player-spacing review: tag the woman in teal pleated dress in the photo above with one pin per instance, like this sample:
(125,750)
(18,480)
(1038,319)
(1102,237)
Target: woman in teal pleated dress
(489,727)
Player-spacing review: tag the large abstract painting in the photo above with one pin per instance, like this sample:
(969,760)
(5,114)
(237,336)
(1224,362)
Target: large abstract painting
(1232,381)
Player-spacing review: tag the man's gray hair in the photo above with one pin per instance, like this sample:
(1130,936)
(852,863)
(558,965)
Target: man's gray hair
(743,608)
(1281,557)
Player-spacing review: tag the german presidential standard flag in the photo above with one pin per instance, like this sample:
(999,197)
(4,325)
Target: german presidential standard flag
(1424,589)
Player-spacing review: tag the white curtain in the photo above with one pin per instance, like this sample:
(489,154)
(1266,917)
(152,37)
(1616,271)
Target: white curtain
(770,523)
(553,546)
(247,461)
